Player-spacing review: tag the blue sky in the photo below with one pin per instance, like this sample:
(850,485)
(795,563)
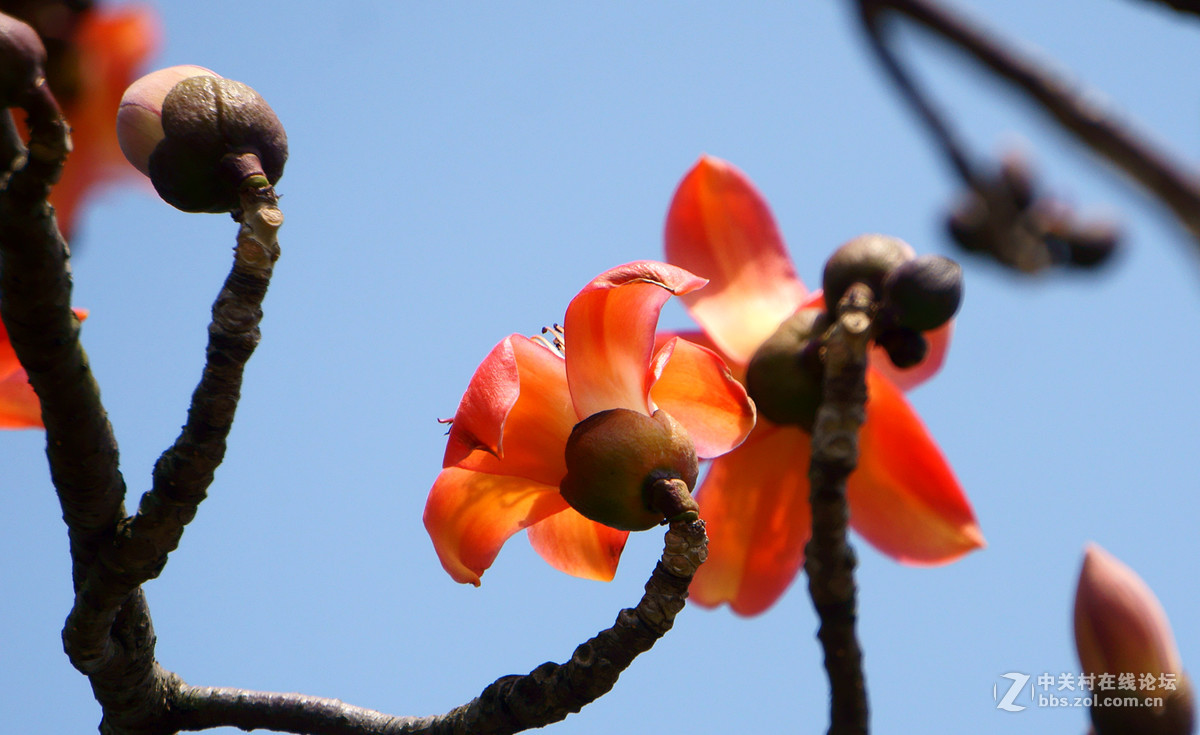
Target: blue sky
(458,172)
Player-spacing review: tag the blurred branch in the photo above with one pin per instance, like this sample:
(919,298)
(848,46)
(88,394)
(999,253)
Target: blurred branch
(829,560)
(1183,6)
(1071,106)
(511,704)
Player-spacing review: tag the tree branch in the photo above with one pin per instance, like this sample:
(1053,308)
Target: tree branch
(511,704)
(35,302)
(1074,109)
(1183,6)
(103,637)
(829,560)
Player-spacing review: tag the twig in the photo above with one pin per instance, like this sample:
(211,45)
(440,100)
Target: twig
(511,704)
(1067,103)
(829,560)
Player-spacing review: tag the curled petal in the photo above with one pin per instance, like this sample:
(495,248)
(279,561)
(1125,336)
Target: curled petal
(516,412)
(469,515)
(571,543)
(609,329)
(695,387)
(719,227)
(903,496)
(755,502)
(19,406)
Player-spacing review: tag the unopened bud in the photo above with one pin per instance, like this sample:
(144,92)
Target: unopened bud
(924,293)
(1120,628)
(614,460)
(905,347)
(22,60)
(784,375)
(198,136)
(865,259)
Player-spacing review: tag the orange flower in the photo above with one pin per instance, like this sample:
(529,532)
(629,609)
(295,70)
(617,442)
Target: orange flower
(19,407)
(505,455)
(107,49)
(903,497)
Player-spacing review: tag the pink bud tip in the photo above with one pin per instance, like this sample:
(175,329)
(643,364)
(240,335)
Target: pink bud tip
(139,118)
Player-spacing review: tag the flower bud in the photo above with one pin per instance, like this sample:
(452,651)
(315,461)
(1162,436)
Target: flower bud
(1120,628)
(139,118)
(614,459)
(905,347)
(784,375)
(198,136)
(924,293)
(1093,243)
(865,259)
(22,59)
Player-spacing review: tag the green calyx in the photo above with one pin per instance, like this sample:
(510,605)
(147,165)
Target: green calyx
(622,464)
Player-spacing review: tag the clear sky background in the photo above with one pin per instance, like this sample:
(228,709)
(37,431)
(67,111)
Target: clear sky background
(458,172)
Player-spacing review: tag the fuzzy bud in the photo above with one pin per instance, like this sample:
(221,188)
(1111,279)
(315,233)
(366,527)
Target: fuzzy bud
(614,460)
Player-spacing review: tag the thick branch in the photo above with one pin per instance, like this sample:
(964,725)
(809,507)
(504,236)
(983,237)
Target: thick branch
(829,559)
(511,704)
(101,639)
(35,302)
(1073,108)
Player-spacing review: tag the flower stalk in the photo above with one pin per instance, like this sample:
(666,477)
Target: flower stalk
(829,558)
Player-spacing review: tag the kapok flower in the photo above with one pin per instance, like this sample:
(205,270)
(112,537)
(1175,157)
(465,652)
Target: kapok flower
(110,45)
(505,457)
(904,498)
(1121,631)
(19,406)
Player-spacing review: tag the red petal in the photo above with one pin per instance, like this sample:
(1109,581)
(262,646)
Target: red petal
(577,546)
(19,406)
(610,334)
(695,386)
(719,227)
(517,412)
(755,502)
(8,357)
(904,497)
(469,515)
